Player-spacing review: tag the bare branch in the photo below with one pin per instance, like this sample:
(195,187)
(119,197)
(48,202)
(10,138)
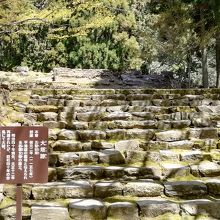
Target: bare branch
(23,21)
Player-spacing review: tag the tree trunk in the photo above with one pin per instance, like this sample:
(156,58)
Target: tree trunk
(216,9)
(217,46)
(205,75)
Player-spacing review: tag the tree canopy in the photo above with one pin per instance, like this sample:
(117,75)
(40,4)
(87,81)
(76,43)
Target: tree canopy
(151,35)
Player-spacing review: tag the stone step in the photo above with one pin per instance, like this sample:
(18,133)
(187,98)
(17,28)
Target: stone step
(108,172)
(87,167)
(129,152)
(191,93)
(120,208)
(142,188)
(50,121)
(188,149)
(205,134)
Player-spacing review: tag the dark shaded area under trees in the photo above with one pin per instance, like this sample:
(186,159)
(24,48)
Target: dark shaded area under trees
(181,37)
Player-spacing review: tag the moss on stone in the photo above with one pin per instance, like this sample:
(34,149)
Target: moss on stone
(121,199)
(189,177)
(20,96)
(167,216)
(42,108)
(6,202)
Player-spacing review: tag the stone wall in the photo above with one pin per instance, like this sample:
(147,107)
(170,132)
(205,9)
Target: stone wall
(122,154)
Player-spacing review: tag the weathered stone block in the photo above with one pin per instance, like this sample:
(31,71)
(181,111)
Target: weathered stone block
(203,133)
(88,156)
(209,169)
(113,172)
(91,135)
(174,169)
(72,103)
(147,134)
(116,134)
(191,156)
(206,108)
(111,156)
(41,108)
(87,209)
(133,157)
(153,145)
(185,188)
(120,124)
(68,135)
(9,212)
(181,124)
(164,125)
(74,189)
(146,188)
(80,172)
(117,116)
(202,207)
(127,145)
(213,186)
(123,211)
(168,155)
(10,191)
(102,145)
(52,174)
(78,125)
(47,116)
(67,145)
(182,145)
(68,159)
(202,119)
(172,135)
(68,117)
(152,208)
(54,124)
(142,97)
(113,102)
(144,115)
(107,189)
(99,125)
(49,212)
(89,116)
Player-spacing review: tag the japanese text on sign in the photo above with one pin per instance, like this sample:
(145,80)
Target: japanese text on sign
(24,154)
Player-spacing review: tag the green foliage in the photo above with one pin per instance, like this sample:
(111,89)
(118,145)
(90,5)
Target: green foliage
(109,34)
(76,34)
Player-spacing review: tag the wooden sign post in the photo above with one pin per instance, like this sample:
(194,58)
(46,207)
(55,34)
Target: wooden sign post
(23,158)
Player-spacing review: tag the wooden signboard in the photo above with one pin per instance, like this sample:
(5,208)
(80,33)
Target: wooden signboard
(23,157)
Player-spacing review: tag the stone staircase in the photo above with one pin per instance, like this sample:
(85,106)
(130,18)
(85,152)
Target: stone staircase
(125,154)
